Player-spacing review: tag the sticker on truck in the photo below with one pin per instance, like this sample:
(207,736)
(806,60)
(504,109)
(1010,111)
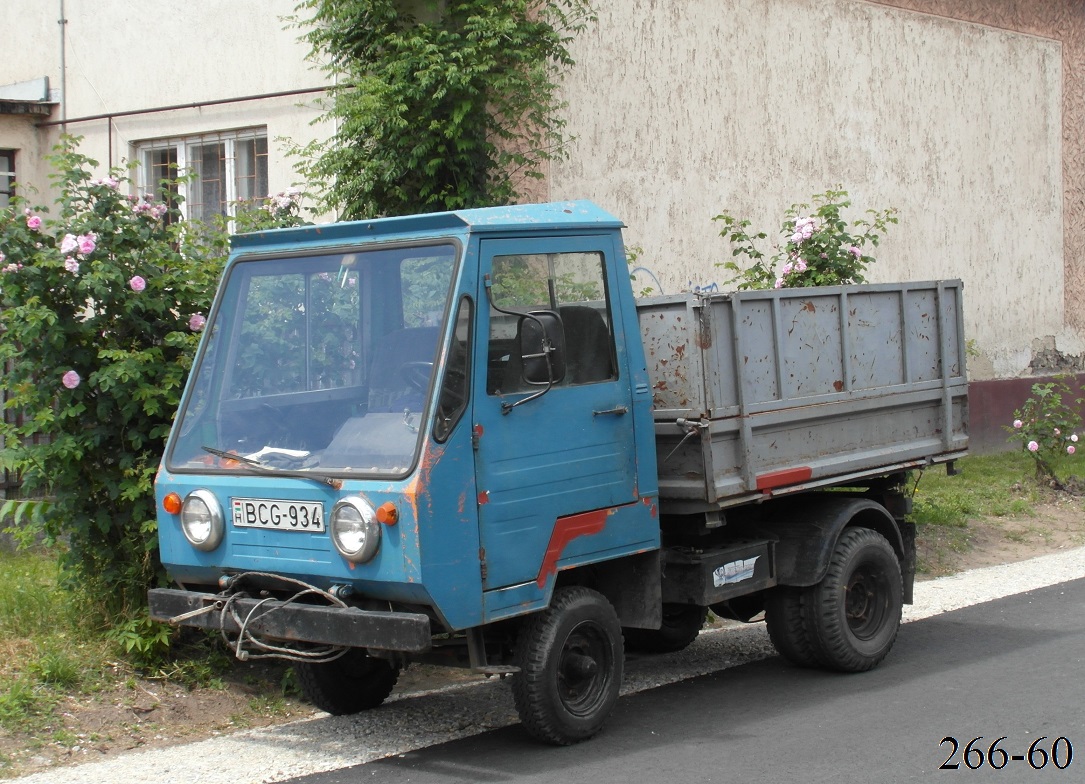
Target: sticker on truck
(734,572)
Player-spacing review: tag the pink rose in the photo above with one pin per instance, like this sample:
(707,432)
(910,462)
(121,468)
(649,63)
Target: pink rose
(197,322)
(137,283)
(70,379)
(1018,424)
(1071,449)
(71,265)
(33,222)
(1033,446)
(68,244)
(87,243)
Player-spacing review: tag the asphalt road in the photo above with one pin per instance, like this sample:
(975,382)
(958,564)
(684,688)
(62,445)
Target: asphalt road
(1013,668)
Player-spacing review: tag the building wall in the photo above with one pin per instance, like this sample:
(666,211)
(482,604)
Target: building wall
(686,110)
(121,57)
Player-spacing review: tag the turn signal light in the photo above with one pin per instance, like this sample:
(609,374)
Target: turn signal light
(172,503)
(387,513)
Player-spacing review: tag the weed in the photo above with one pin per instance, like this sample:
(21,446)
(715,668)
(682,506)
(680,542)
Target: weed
(57,668)
(267,705)
(24,702)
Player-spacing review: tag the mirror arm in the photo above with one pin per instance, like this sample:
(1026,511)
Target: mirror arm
(506,406)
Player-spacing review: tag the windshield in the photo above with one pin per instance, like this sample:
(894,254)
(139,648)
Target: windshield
(318,363)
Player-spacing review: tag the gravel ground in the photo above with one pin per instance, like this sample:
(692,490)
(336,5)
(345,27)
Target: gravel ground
(418,720)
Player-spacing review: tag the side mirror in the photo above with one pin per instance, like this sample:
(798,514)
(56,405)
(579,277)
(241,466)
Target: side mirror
(541,340)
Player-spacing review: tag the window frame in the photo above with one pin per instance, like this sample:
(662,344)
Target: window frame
(183,149)
(7,177)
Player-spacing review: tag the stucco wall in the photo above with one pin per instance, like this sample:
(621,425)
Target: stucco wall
(685,110)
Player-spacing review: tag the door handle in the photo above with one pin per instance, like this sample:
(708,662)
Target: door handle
(618,411)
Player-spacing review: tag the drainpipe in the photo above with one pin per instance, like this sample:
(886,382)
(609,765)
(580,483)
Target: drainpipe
(63,22)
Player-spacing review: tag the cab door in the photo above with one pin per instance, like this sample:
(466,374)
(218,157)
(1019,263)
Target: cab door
(569,450)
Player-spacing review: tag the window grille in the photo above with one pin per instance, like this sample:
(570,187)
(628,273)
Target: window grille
(219,173)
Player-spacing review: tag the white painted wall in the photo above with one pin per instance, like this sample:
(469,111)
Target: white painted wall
(121,56)
(687,109)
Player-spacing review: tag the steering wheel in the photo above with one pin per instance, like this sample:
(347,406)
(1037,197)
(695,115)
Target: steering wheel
(416,374)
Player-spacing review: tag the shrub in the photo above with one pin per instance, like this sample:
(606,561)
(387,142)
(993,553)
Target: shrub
(102,302)
(1046,426)
(819,247)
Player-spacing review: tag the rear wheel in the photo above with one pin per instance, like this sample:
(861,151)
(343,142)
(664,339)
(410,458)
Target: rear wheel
(681,625)
(352,683)
(787,627)
(571,660)
(853,614)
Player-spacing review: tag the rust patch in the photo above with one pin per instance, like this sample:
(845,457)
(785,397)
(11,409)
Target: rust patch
(809,307)
(838,386)
(566,529)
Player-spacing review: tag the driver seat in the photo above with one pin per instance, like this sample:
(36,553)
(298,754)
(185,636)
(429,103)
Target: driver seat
(389,389)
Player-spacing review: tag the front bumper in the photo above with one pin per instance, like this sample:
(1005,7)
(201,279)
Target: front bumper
(321,625)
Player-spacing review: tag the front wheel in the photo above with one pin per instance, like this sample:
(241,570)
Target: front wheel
(570,660)
(852,616)
(352,683)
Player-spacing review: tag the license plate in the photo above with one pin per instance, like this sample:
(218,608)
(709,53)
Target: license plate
(278,515)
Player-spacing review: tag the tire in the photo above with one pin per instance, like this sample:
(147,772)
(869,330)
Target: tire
(853,614)
(571,661)
(681,625)
(350,684)
(787,627)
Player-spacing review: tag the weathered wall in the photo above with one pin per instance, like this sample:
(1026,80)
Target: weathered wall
(685,110)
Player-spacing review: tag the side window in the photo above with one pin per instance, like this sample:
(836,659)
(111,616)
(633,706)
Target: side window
(571,284)
(454,387)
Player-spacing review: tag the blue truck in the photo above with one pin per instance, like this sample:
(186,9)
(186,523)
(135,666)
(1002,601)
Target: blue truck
(458,438)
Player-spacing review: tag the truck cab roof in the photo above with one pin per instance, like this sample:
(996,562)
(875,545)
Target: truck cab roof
(568,216)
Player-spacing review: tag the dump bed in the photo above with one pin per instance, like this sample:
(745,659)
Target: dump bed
(766,392)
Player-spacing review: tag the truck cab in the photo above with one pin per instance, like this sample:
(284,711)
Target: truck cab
(411,427)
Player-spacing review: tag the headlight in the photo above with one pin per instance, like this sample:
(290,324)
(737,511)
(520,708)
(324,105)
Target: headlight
(355,530)
(202,521)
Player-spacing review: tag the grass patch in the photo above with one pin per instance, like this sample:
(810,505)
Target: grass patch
(988,486)
(46,650)
(994,486)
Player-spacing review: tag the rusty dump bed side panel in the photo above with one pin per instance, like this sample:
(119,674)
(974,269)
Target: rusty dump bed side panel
(763,392)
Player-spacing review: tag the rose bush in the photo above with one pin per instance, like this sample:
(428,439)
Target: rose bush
(819,247)
(1046,426)
(102,301)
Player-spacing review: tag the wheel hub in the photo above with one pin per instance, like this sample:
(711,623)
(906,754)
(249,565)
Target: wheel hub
(865,603)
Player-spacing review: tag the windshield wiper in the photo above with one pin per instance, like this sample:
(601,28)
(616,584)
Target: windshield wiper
(256,464)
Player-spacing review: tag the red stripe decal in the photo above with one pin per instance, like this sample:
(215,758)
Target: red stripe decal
(566,529)
(792,476)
